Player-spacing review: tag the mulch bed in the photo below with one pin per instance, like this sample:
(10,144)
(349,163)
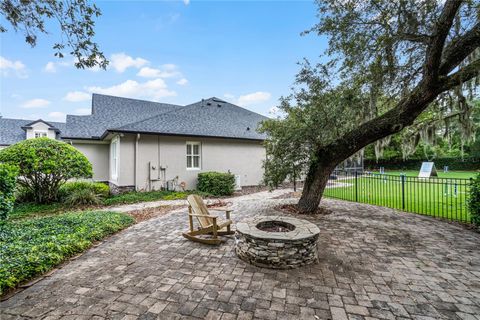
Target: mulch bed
(292,209)
(150,213)
(219,203)
(289,195)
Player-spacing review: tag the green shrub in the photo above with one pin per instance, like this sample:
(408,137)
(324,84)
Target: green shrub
(216,183)
(474,200)
(97,188)
(31,247)
(23,195)
(8,178)
(45,164)
(82,197)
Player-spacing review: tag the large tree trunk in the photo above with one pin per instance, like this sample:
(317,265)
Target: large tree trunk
(315,183)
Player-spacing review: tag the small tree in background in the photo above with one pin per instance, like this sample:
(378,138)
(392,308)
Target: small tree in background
(8,177)
(44,165)
(474,200)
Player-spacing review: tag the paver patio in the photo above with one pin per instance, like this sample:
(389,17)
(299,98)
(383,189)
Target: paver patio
(375,263)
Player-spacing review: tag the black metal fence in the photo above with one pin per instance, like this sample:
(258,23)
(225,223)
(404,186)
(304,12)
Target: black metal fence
(438,197)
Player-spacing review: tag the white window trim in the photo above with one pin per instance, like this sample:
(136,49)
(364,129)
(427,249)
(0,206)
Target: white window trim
(115,165)
(43,132)
(199,144)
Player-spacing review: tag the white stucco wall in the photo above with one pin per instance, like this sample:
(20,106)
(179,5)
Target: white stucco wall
(240,157)
(40,126)
(98,155)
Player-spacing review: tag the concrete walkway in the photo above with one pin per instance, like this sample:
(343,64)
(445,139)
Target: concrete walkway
(375,263)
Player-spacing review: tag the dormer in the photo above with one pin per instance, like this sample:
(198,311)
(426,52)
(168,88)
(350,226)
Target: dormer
(39,129)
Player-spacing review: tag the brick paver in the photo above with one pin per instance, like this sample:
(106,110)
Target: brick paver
(374,263)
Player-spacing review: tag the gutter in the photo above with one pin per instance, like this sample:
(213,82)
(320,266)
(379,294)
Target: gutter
(180,135)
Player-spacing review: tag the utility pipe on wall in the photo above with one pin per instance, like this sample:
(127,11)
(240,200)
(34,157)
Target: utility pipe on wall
(135,162)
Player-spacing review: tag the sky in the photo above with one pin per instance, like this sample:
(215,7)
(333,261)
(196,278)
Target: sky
(245,52)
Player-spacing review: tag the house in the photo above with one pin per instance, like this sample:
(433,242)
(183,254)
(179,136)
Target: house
(142,145)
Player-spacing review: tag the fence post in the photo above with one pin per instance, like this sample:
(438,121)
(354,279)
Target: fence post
(402,177)
(356,186)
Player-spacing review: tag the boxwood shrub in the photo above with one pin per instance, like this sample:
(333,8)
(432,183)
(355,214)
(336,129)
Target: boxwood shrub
(216,183)
(8,178)
(31,247)
(474,200)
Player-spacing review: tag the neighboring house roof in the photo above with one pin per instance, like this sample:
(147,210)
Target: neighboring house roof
(210,118)
(12,130)
(57,126)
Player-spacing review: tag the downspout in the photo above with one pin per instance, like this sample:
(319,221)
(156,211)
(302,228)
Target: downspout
(135,162)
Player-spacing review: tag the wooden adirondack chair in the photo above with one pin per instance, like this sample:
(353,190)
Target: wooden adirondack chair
(208,224)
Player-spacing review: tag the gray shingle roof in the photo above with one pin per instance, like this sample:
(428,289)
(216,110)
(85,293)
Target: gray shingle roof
(109,112)
(211,117)
(11,129)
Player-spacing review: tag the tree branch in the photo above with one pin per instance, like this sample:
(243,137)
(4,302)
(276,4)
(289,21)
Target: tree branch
(439,35)
(463,75)
(421,38)
(459,49)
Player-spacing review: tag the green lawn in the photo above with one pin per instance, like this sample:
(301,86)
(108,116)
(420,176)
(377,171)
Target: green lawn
(441,174)
(31,247)
(437,197)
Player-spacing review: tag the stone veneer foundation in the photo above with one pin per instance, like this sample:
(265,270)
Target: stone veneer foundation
(277,250)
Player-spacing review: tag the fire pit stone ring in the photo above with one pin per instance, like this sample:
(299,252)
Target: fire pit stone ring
(277,242)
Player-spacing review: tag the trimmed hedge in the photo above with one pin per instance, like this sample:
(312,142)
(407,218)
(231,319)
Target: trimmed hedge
(31,247)
(8,179)
(468,164)
(474,200)
(216,183)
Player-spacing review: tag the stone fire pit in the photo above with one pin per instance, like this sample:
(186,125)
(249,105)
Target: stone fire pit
(277,242)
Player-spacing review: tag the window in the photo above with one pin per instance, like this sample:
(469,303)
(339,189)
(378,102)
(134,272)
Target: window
(114,152)
(40,134)
(193,155)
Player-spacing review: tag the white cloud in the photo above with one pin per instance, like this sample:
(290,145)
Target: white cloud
(252,98)
(186,2)
(76,96)
(153,89)
(52,67)
(165,71)
(35,103)
(82,111)
(121,62)
(56,116)
(17,67)
(182,82)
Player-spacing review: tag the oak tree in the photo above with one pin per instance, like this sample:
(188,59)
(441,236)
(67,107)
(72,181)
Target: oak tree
(386,63)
